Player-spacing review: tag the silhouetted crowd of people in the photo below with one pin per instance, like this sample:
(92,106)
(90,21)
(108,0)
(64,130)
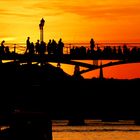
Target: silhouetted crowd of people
(106,52)
(93,51)
(52,47)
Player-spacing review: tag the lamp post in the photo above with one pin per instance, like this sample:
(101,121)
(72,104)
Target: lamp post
(42,21)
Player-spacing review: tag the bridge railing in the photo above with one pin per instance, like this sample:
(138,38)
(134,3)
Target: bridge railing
(20,48)
(17,48)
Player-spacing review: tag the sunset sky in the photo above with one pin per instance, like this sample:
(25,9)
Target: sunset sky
(72,20)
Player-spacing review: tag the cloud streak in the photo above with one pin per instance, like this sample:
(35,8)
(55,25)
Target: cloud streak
(9,13)
(90,9)
(82,8)
(102,12)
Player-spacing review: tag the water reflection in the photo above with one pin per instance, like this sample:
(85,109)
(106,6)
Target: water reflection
(122,130)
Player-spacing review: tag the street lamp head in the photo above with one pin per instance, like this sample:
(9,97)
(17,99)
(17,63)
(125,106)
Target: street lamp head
(42,22)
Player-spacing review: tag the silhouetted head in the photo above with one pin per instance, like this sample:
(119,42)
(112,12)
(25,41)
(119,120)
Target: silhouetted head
(60,40)
(3,41)
(32,43)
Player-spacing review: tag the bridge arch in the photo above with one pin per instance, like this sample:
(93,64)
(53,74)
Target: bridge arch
(120,62)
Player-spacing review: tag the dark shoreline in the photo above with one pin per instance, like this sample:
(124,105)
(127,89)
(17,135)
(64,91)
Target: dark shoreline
(49,89)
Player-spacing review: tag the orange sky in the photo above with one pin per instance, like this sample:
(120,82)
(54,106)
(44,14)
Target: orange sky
(74,21)
(124,71)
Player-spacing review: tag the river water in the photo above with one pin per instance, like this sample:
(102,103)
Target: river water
(97,130)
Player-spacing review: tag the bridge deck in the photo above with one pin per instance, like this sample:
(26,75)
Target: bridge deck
(70,59)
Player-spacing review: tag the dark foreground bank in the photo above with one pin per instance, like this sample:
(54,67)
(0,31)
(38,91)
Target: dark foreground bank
(50,90)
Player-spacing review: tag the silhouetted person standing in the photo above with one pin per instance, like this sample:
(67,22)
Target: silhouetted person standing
(27,44)
(37,46)
(54,47)
(2,43)
(92,44)
(2,50)
(77,74)
(42,51)
(49,48)
(60,47)
(59,50)
(2,47)
(42,48)
(31,48)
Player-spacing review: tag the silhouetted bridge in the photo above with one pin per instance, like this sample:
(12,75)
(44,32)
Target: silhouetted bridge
(70,59)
